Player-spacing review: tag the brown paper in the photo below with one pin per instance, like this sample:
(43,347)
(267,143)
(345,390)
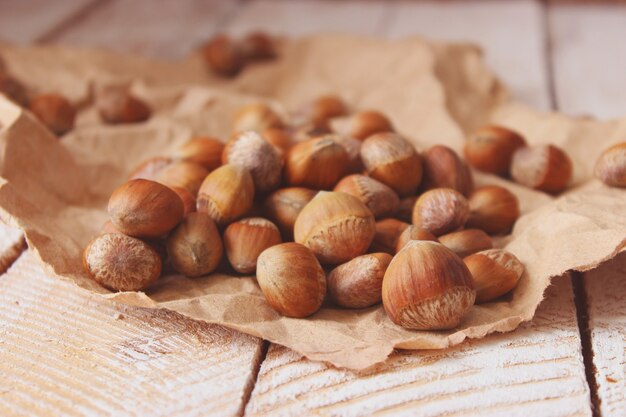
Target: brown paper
(435,93)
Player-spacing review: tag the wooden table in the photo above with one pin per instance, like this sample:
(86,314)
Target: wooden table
(66,352)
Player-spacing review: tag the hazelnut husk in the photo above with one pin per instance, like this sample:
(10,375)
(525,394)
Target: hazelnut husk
(205,151)
(291,279)
(256,117)
(150,168)
(611,166)
(413,233)
(358,283)
(544,168)
(427,287)
(443,168)
(116,105)
(144,208)
(245,239)
(315,163)
(390,159)
(366,123)
(184,174)
(466,242)
(121,263)
(380,199)
(335,226)
(491,148)
(223,56)
(284,205)
(54,111)
(493,209)
(441,211)
(386,237)
(13,89)
(495,272)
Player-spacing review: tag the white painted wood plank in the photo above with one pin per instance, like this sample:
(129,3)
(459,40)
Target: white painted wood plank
(589,58)
(66,352)
(511,34)
(26,21)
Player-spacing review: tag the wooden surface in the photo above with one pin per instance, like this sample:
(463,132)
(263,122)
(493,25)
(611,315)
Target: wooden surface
(120,354)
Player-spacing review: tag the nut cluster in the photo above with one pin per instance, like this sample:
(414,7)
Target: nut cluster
(356,211)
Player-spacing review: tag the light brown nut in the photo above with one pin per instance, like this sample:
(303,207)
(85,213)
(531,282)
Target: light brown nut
(205,151)
(495,272)
(315,163)
(380,199)
(493,209)
(441,211)
(358,283)
(256,117)
(223,56)
(284,205)
(245,239)
(466,242)
(116,105)
(54,111)
(491,148)
(611,166)
(413,233)
(184,174)
(387,233)
(443,168)
(544,168)
(150,168)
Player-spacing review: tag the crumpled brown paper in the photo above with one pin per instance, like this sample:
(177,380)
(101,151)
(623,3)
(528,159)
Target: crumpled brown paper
(435,93)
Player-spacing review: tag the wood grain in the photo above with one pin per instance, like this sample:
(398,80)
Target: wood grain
(66,352)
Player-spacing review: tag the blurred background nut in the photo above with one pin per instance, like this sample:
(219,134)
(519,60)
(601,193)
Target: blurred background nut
(544,168)
(495,272)
(116,105)
(291,279)
(491,148)
(380,199)
(54,111)
(245,239)
(257,46)
(284,205)
(279,138)
(353,149)
(443,168)
(364,124)
(358,283)
(13,89)
(386,237)
(144,208)
(195,247)
(466,242)
(150,168)
(493,209)
(611,166)
(427,287)
(441,211)
(121,263)
(187,175)
(205,151)
(226,194)
(256,117)
(315,163)
(223,56)
(405,209)
(322,109)
(335,226)
(413,233)
(390,159)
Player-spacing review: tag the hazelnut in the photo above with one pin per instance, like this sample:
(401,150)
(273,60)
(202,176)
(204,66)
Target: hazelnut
(187,175)
(117,105)
(121,263)
(205,151)
(380,199)
(279,138)
(150,168)
(223,56)
(365,123)
(443,168)
(315,163)
(611,166)
(493,209)
(250,151)
(291,279)
(324,108)
(54,111)
(545,168)
(353,149)
(358,283)
(307,131)
(390,159)
(157,244)
(491,148)
(284,205)
(466,242)
(226,194)
(413,233)
(441,211)
(257,46)
(386,237)
(256,117)
(189,201)
(427,287)
(335,226)
(195,247)
(405,209)
(495,272)
(144,208)
(246,239)
(13,89)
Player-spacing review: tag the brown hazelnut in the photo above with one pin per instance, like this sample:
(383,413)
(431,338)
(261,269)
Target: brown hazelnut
(365,123)
(205,151)
(358,283)
(611,166)
(493,209)
(441,211)
(257,46)
(545,168)
(256,117)
(380,199)
(405,209)
(390,159)
(413,233)
(117,105)
(54,111)
(246,239)
(443,168)
(121,263)
(223,56)
(324,108)
(150,168)
(335,226)
(187,175)
(144,208)
(491,148)
(386,237)
(226,194)
(291,279)
(279,138)
(307,131)
(157,244)
(353,149)
(284,205)
(495,272)
(427,287)
(189,201)
(466,242)
(13,89)
(315,163)
(250,151)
